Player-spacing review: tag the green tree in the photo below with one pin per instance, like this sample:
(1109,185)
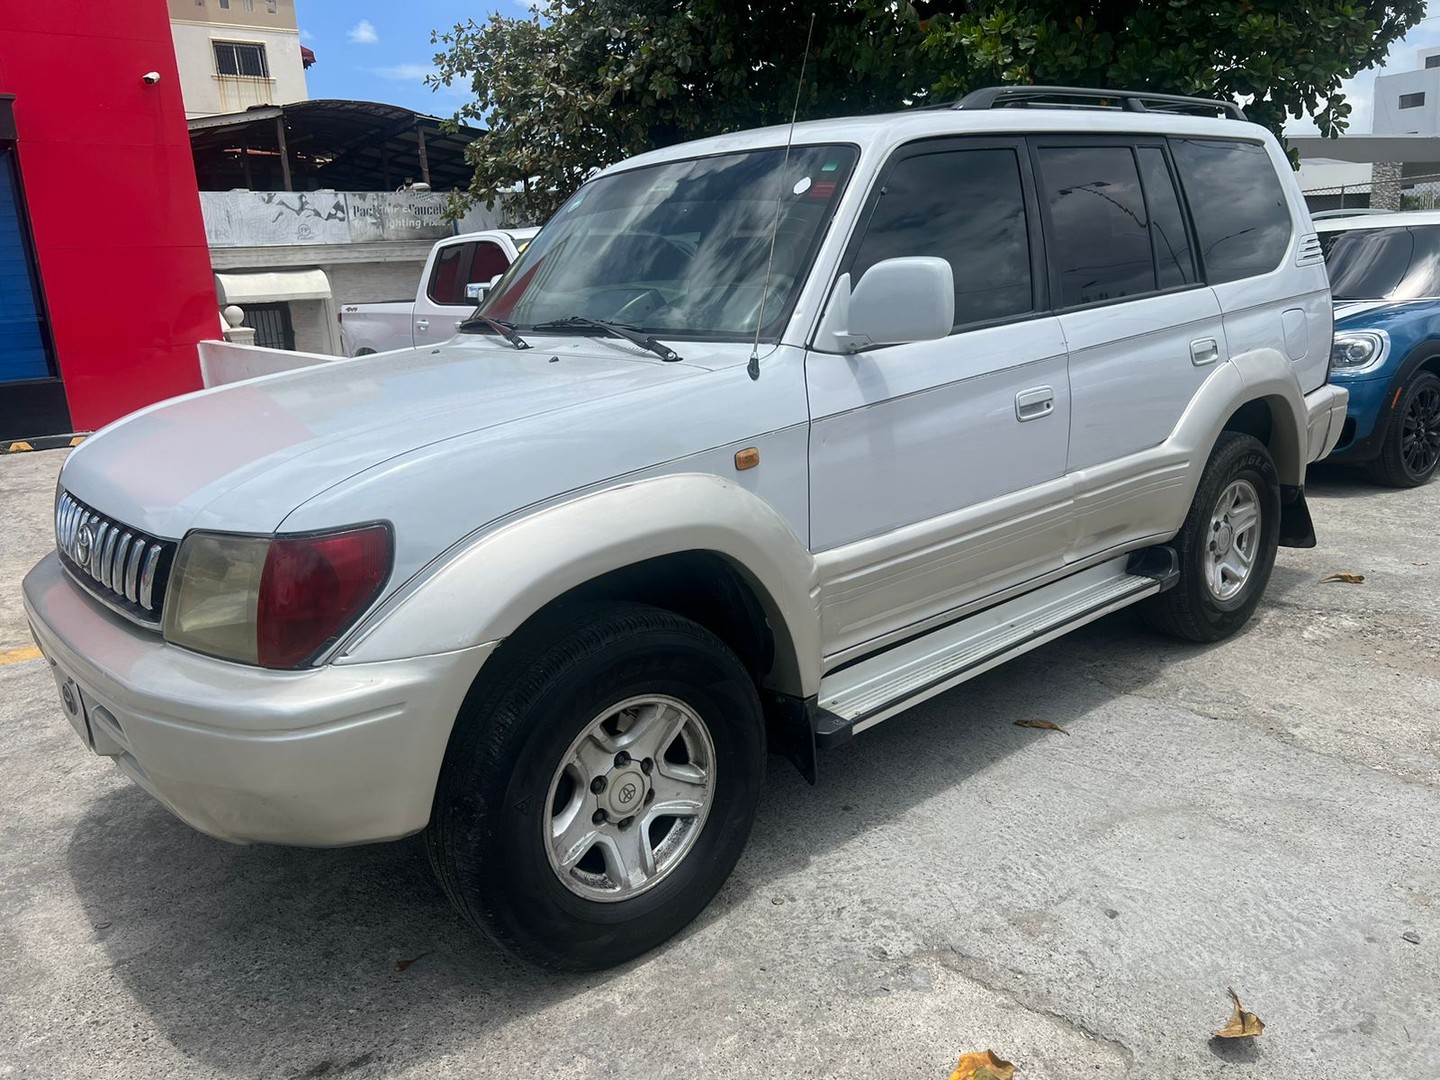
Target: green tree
(578,85)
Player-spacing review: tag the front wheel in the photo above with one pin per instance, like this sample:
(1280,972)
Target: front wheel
(599,787)
(1226,546)
(1410,451)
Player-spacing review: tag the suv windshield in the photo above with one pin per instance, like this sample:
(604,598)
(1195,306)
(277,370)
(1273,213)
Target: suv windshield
(681,249)
(1383,264)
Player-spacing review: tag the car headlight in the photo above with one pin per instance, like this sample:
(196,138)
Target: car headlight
(273,601)
(1355,351)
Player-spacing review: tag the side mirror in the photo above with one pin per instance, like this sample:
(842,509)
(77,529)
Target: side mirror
(476,290)
(897,301)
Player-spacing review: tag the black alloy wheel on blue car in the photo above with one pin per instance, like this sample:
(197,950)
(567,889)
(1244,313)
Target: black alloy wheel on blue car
(1410,452)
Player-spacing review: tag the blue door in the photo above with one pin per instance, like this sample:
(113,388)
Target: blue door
(23,350)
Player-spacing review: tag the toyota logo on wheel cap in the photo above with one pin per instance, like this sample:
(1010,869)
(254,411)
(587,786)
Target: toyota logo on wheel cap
(628,793)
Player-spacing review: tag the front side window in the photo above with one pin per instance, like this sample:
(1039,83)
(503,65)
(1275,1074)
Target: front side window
(682,247)
(1238,206)
(447,279)
(240,58)
(1383,264)
(1101,244)
(968,208)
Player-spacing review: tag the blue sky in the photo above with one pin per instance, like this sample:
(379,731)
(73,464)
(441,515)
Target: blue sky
(379,50)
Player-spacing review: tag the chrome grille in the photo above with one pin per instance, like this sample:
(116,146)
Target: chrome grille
(124,567)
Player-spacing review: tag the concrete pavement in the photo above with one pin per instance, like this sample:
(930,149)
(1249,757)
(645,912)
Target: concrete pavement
(1260,814)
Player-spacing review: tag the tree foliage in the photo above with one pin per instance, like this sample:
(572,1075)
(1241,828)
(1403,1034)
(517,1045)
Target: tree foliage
(583,83)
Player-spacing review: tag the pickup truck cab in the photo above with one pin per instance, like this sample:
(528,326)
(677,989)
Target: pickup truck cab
(762,440)
(457,272)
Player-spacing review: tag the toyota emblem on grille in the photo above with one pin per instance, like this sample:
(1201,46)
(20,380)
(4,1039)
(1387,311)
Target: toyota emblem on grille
(83,539)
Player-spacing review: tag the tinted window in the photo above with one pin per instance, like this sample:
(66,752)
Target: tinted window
(1237,204)
(1174,262)
(968,208)
(1383,264)
(1101,246)
(489,260)
(447,280)
(1412,101)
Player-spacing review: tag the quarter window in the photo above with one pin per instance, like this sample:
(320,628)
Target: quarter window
(1238,206)
(1101,243)
(964,206)
(238,58)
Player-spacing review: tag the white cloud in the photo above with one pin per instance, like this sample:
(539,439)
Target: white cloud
(404,72)
(363,33)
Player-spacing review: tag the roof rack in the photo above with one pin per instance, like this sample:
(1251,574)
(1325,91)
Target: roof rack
(1076,97)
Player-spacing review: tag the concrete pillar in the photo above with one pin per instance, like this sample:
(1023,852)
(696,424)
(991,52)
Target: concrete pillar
(1385,185)
(240,335)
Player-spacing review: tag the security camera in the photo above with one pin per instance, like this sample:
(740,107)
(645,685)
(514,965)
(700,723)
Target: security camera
(151,77)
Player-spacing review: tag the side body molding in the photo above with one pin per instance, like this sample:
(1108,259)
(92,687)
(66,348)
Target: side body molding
(487,585)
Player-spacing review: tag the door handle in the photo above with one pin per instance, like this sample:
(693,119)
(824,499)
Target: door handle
(422,324)
(1034,403)
(1204,351)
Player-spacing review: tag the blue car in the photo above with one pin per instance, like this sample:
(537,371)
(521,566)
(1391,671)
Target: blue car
(1385,280)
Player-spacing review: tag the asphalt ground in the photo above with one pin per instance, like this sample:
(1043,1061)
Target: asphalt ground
(1258,814)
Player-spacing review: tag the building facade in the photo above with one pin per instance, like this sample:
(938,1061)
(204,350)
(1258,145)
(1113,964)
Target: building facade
(235,54)
(1408,102)
(105,283)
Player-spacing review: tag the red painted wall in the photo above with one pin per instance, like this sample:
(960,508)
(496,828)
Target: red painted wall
(110,184)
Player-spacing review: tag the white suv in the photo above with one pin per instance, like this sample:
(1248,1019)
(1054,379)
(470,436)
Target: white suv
(762,440)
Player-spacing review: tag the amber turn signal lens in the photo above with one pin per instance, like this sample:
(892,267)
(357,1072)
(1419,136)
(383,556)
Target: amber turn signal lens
(747,458)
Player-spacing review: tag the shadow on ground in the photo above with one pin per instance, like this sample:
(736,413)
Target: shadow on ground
(271,961)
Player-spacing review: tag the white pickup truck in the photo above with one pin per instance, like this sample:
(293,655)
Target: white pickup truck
(456,274)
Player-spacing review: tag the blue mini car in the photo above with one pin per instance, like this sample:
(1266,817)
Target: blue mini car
(1385,280)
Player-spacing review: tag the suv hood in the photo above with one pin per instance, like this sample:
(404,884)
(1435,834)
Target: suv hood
(1350,311)
(241,457)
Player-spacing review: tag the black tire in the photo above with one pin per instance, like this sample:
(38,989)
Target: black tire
(532,701)
(1191,610)
(1410,451)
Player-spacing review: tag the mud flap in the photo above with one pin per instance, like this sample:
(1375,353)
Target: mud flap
(1296,528)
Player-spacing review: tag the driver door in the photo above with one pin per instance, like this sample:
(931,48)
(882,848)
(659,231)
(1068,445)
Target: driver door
(937,468)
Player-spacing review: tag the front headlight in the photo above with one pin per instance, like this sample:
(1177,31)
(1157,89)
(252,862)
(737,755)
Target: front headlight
(1356,351)
(273,601)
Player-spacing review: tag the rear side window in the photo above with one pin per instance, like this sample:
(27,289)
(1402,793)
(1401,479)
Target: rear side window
(964,206)
(1237,204)
(1174,261)
(1101,244)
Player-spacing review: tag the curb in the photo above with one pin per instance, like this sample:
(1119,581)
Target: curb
(43,442)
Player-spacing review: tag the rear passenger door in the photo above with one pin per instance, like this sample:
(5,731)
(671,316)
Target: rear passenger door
(937,467)
(1143,330)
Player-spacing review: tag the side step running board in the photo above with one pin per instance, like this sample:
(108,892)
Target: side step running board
(874,689)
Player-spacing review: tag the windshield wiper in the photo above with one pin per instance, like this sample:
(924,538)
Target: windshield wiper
(504,329)
(629,333)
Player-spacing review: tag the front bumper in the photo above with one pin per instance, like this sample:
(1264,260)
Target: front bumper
(1368,408)
(1325,409)
(343,754)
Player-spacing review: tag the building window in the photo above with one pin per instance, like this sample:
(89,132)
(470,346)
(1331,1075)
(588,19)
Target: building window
(1412,101)
(248,5)
(1432,61)
(235,58)
(224,5)
(270,6)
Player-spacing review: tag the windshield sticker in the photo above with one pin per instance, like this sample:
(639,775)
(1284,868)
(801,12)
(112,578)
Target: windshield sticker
(830,166)
(802,185)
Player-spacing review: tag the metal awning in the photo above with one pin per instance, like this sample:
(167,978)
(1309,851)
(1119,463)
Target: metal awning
(323,144)
(270,286)
(1369,148)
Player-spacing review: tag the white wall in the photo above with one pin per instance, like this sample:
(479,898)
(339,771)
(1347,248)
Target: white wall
(1390,119)
(206,92)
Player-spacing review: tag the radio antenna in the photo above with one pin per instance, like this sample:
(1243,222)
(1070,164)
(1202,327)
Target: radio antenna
(754,367)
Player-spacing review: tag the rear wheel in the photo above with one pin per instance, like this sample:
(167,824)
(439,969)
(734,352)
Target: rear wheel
(1226,546)
(1410,451)
(599,787)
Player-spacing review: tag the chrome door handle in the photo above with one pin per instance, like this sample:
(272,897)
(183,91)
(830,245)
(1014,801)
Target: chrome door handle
(422,324)
(1034,403)
(1204,351)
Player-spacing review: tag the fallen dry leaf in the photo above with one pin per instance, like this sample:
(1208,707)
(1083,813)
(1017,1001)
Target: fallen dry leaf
(1348,579)
(982,1065)
(1045,725)
(1242,1025)
(401,965)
